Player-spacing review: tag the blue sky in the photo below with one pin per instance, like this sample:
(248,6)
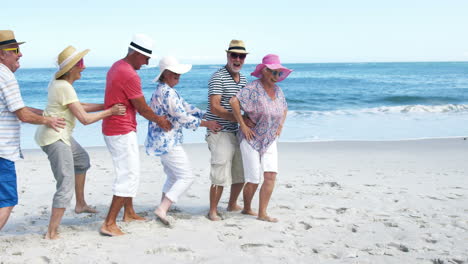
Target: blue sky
(198,32)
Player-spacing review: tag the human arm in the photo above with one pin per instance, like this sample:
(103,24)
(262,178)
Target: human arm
(35,110)
(26,115)
(211,125)
(144,110)
(181,112)
(92,107)
(280,127)
(248,121)
(219,110)
(88,118)
(235,104)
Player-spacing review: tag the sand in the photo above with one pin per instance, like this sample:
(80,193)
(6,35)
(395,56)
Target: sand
(337,202)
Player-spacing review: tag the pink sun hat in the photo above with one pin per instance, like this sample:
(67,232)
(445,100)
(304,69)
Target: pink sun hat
(272,62)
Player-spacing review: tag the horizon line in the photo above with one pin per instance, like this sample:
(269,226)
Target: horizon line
(337,62)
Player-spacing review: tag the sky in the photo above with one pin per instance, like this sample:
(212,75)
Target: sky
(198,32)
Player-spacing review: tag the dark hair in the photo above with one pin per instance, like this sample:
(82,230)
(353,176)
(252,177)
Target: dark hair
(161,77)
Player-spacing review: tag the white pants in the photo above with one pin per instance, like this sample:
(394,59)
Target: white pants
(254,165)
(126,158)
(179,173)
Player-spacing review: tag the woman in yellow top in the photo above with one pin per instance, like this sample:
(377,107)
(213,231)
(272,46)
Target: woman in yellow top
(68,160)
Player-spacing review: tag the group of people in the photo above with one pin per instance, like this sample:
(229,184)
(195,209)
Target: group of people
(243,146)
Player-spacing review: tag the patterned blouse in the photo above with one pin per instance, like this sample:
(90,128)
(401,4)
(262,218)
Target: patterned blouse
(166,101)
(266,113)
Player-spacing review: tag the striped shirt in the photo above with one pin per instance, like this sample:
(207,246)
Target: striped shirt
(222,83)
(10,101)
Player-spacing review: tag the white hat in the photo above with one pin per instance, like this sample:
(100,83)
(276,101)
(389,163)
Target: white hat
(171,63)
(142,43)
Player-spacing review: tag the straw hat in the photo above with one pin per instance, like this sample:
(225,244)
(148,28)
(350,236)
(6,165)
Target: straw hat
(271,61)
(67,59)
(237,46)
(7,37)
(171,63)
(142,43)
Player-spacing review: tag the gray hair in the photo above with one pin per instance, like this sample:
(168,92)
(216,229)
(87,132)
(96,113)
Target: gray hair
(130,51)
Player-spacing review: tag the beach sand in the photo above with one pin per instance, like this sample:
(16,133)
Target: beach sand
(337,202)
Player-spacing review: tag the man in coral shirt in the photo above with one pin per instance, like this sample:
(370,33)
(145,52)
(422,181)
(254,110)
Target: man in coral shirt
(123,85)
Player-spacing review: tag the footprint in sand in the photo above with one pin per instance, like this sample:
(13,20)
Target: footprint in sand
(233,225)
(400,247)
(253,246)
(43,259)
(169,249)
(182,216)
(341,210)
(307,226)
(390,224)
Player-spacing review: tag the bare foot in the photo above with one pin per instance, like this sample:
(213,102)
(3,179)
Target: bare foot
(52,236)
(85,209)
(268,219)
(110,230)
(133,217)
(161,216)
(249,212)
(214,216)
(234,208)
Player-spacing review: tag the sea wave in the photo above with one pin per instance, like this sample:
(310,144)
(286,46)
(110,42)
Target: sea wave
(403,109)
(408,99)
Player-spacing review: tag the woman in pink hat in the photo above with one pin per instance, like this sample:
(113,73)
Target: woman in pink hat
(264,102)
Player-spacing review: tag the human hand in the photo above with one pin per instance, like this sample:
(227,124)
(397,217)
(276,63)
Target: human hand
(164,123)
(213,126)
(249,134)
(55,123)
(119,109)
(248,121)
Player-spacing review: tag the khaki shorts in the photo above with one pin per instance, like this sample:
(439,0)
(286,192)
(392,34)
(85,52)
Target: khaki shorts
(226,159)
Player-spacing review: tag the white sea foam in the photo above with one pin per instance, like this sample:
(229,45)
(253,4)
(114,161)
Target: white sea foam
(403,109)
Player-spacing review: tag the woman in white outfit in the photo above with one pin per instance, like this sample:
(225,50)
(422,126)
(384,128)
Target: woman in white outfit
(168,145)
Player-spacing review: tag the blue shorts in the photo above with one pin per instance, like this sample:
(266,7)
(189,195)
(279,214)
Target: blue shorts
(8,187)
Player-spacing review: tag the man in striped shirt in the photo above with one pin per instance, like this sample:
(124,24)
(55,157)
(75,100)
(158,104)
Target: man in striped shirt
(226,160)
(12,112)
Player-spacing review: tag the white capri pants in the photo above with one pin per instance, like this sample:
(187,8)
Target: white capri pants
(254,165)
(126,158)
(179,173)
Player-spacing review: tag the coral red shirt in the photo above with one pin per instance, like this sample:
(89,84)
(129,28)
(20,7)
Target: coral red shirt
(122,84)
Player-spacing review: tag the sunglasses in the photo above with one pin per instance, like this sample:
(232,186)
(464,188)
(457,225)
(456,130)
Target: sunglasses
(237,55)
(17,50)
(80,64)
(279,73)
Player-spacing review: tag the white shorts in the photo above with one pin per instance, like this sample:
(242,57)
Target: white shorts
(126,157)
(254,165)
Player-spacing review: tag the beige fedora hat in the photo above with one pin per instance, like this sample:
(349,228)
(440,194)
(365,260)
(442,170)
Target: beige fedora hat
(237,46)
(67,59)
(7,37)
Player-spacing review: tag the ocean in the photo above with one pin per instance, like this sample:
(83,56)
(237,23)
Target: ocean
(327,101)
